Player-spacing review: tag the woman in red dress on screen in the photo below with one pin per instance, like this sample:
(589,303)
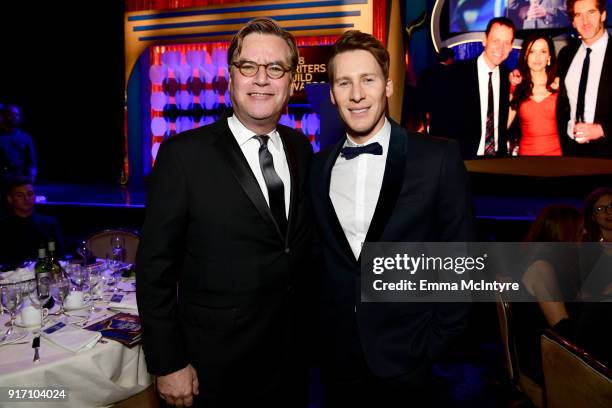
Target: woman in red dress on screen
(534,100)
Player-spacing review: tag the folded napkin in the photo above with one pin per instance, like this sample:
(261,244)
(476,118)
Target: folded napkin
(123,301)
(70,337)
(18,275)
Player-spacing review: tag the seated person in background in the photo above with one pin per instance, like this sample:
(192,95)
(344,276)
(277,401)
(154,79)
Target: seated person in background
(540,14)
(550,274)
(535,98)
(432,84)
(593,328)
(22,232)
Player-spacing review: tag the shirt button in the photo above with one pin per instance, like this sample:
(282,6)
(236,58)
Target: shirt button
(287,250)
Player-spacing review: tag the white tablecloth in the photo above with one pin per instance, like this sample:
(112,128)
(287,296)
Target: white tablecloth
(97,377)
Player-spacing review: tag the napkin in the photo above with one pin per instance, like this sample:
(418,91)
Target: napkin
(18,275)
(69,337)
(123,301)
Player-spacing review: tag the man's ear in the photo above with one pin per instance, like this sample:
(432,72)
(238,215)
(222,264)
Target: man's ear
(389,88)
(331,96)
(9,199)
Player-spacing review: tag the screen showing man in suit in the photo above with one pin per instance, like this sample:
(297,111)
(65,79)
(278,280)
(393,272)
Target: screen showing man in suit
(475,113)
(380,183)
(585,99)
(226,243)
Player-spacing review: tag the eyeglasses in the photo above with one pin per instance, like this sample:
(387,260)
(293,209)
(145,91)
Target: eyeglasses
(250,68)
(603,208)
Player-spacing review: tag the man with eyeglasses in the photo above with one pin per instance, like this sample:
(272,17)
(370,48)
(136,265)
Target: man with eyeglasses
(226,243)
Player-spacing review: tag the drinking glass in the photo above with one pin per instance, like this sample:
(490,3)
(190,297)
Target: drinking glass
(11,299)
(84,251)
(59,291)
(75,273)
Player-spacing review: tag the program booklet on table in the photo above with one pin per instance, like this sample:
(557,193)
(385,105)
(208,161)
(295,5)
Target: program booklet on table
(122,327)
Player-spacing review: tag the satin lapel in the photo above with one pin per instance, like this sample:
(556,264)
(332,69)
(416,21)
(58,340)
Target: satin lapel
(295,181)
(332,217)
(228,147)
(393,180)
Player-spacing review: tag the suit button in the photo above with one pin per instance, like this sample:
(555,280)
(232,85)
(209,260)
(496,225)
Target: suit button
(355,308)
(287,250)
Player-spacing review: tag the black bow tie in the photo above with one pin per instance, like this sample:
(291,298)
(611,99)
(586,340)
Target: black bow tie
(352,152)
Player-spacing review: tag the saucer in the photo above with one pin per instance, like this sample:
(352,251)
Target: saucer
(16,336)
(19,323)
(85,305)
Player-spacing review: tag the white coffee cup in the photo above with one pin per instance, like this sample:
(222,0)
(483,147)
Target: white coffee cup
(31,316)
(75,299)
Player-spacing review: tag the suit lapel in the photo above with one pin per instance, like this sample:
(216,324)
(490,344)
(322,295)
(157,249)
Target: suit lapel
(603,93)
(228,147)
(332,217)
(393,180)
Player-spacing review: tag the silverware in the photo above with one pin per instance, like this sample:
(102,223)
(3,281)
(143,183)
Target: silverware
(35,346)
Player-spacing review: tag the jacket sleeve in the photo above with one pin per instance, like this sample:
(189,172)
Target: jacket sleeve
(158,263)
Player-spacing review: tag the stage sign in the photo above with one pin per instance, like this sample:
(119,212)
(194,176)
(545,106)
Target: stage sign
(311,69)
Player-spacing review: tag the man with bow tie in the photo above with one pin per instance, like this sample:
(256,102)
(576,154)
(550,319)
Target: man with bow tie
(381,184)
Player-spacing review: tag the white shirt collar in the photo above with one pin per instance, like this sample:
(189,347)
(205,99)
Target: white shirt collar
(600,44)
(244,134)
(382,137)
(483,66)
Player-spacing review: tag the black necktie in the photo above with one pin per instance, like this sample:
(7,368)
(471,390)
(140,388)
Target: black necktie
(352,152)
(582,87)
(490,125)
(276,188)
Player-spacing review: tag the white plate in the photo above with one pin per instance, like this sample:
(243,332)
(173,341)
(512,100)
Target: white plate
(72,309)
(19,335)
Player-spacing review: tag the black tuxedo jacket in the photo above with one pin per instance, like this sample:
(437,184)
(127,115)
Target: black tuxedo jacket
(603,108)
(460,104)
(217,283)
(424,197)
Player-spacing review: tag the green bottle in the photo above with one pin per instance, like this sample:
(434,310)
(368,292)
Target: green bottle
(43,274)
(57,272)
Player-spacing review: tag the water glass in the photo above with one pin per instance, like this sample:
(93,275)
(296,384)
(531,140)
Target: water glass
(59,291)
(11,299)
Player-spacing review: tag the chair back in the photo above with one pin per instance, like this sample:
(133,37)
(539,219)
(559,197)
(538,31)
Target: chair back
(572,377)
(522,382)
(100,243)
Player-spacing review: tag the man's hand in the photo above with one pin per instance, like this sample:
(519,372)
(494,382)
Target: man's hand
(536,11)
(179,387)
(585,132)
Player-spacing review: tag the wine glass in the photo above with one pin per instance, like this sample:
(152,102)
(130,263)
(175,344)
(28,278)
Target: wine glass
(59,291)
(117,258)
(11,299)
(95,281)
(84,251)
(75,273)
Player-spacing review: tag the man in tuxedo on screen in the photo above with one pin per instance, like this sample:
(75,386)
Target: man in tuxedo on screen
(584,108)
(381,184)
(476,104)
(226,242)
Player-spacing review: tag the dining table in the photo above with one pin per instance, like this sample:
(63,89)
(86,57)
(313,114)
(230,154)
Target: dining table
(95,376)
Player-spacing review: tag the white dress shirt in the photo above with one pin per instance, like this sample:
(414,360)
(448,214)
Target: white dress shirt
(483,89)
(572,80)
(250,149)
(355,186)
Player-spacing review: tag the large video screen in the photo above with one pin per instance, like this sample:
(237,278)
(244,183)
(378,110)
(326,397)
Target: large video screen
(473,15)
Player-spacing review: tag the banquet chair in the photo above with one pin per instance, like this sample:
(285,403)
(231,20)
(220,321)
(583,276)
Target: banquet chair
(100,247)
(518,379)
(572,377)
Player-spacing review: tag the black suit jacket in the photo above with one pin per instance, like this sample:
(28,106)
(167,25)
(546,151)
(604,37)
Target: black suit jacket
(603,109)
(217,283)
(460,105)
(424,198)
